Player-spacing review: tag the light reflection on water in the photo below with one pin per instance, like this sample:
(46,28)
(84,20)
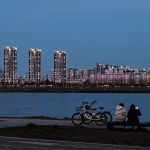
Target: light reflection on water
(62,105)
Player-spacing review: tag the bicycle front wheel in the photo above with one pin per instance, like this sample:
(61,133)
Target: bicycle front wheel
(108,116)
(100,119)
(77,119)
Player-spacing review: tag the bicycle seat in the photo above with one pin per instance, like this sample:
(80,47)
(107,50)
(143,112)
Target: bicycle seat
(93,109)
(101,107)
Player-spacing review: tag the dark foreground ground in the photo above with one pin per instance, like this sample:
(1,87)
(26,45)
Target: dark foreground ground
(71,133)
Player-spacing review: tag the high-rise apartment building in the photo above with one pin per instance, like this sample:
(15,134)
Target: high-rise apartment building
(72,74)
(10,65)
(34,65)
(1,75)
(100,68)
(60,66)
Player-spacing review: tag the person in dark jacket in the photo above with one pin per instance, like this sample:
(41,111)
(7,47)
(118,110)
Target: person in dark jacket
(133,114)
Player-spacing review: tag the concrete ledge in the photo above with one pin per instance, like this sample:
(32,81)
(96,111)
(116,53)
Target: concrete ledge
(110,125)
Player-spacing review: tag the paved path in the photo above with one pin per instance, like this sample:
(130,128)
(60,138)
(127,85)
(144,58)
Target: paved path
(9,143)
(12,122)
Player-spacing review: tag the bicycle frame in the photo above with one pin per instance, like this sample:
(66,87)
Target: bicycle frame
(91,117)
(88,114)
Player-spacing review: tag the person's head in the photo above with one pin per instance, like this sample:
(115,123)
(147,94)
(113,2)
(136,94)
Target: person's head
(121,104)
(132,107)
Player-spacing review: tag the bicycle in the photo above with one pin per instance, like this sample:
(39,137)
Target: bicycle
(106,113)
(86,114)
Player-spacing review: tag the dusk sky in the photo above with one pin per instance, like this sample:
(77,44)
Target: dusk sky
(113,32)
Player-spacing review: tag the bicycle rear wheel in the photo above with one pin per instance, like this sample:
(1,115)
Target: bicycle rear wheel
(101,119)
(108,116)
(77,119)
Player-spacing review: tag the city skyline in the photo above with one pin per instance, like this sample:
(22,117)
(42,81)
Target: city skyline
(108,32)
(34,58)
(100,75)
(61,73)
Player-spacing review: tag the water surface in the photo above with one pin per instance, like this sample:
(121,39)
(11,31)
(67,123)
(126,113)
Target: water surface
(62,105)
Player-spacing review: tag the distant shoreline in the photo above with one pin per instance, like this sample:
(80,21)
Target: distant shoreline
(47,89)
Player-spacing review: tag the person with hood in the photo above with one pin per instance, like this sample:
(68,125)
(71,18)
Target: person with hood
(133,114)
(120,114)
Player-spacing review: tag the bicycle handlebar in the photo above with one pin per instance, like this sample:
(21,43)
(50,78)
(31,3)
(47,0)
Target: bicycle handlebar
(86,102)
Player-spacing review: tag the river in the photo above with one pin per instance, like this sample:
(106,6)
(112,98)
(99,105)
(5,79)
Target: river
(60,105)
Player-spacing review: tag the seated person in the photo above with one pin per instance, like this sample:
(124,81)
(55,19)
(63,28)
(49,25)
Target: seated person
(120,114)
(133,114)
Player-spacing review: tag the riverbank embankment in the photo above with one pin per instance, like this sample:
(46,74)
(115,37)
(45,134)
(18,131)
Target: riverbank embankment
(102,89)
